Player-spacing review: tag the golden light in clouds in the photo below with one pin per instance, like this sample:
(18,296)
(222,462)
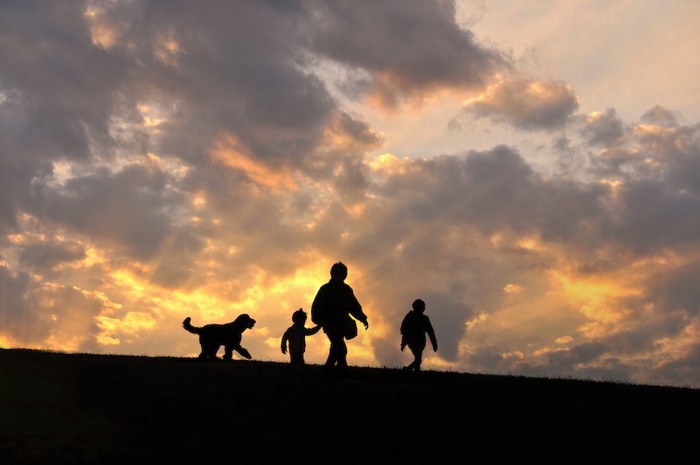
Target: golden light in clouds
(132,324)
(614,185)
(669,349)
(167,48)
(480,318)
(102,34)
(63,342)
(150,117)
(231,153)
(596,297)
(520,99)
(511,288)
(387,164)
(269,300)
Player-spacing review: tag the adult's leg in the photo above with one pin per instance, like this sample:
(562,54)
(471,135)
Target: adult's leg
(338,351)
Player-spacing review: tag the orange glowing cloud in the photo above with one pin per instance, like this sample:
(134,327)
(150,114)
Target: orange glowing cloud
(525,103)
(387,165)
(130,325)
(230,152)
(597,298)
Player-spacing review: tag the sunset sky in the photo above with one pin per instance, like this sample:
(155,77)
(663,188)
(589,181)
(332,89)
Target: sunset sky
(531,170)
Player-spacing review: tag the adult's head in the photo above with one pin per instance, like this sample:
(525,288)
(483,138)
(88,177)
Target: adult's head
(339,271)
(419,305)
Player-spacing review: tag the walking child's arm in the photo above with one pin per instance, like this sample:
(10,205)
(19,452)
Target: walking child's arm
(431,335)
(312,331)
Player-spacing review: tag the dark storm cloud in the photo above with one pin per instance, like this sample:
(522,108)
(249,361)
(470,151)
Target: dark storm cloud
(498,189)
(128,209)
(233,67)
(677,289)
(658,199)
(56,94)
(45,255)
(18,316)
(75,74)
(604,129)
(657,149)
(674,146)
(684,371)
(404,46)
(580,354)
(65,85)
(16,172)
(661,116)
(653,215)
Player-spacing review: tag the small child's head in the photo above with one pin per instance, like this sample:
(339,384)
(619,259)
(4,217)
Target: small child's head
(299,317)
(419,305)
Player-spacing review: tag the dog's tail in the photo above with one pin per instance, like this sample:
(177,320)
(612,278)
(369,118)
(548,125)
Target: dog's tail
(188,326)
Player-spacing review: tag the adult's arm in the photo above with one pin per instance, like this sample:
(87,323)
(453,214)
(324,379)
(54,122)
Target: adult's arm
(354,307)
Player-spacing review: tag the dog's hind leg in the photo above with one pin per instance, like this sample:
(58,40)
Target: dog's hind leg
(209,351)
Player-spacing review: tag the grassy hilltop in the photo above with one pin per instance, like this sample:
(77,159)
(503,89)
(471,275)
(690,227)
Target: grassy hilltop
(101,409)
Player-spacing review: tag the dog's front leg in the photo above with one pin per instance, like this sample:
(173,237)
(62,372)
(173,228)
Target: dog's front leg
(243,352)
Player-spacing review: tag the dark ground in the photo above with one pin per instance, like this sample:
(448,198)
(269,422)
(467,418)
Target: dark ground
(78,408)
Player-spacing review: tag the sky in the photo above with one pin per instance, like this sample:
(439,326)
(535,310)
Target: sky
(531,170)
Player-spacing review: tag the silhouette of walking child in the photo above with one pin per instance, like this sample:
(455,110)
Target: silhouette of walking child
(414,327)
(296,336)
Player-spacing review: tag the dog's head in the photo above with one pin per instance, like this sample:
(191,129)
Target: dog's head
(244,322)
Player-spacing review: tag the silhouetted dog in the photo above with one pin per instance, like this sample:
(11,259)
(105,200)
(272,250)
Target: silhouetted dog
(213,336)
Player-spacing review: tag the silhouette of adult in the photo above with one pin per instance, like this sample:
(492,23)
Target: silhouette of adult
(415,325)
(334,301)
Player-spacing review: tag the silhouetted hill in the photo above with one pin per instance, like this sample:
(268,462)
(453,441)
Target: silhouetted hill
(79,408)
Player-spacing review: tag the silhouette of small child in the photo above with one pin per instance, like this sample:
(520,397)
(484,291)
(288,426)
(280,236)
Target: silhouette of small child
(296,336)
(414,327)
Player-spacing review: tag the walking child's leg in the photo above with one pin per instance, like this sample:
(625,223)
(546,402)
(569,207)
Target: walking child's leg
(417,352)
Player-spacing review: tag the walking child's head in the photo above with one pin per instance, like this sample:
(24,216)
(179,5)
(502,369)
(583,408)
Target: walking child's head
(419,305)
(299,317)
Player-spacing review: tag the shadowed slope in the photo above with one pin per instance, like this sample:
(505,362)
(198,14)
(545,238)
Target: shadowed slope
(62,408)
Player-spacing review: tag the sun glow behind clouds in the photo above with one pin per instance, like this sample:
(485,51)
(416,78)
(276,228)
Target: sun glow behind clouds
(597,297)
(387,165)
